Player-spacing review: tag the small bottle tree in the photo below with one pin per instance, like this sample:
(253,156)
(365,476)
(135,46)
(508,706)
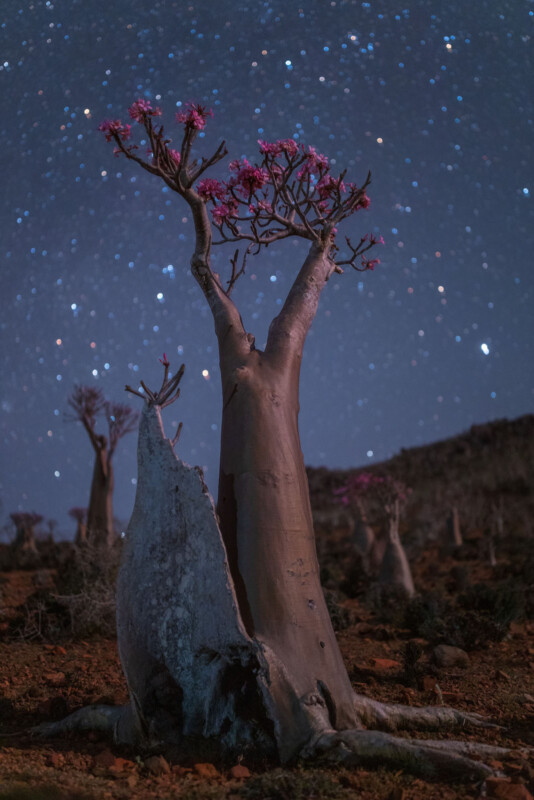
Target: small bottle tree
(380,500)
(79,514)
(88,403)
(24,548)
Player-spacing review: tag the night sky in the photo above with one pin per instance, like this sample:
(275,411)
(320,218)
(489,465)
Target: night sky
(434,97)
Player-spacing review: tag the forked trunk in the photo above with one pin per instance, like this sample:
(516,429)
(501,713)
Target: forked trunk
(100,531)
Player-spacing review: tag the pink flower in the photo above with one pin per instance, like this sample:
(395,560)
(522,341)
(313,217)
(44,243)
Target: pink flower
(194,116)
(370,263)
(327,185)
(164,361)
(374,240)
(288,146)
(209,189)
(264,205)
(175,156)
(223,212)
(113,128)
(364,202)
(249,178)
(141,109)
(314,161)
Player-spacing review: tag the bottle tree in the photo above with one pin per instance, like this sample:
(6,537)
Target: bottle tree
(88,403)
(380,499)
(24,547)
(223,630)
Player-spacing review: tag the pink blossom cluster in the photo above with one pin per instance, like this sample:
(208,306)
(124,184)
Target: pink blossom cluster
(314,162)
(327,185)
(141,109)
(224,212)
(248,178)
(288,146)
(175,156)
(211,189)
(113,128)
(194,116)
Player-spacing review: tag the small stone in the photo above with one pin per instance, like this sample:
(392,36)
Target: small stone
(132,780)
(104,759)
(240,772)
(429,683)
(56,759)
(384,663)
(157,765)
(55,678)
(527,698)
(501,675)
(206,770)
(445,655)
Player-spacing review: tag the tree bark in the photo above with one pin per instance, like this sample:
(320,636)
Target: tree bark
(100,530)
(266,521)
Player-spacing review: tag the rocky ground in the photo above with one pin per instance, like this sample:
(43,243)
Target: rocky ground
(55,658)
(41,680)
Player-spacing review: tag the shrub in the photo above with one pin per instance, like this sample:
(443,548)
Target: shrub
(480,615)
(340,616)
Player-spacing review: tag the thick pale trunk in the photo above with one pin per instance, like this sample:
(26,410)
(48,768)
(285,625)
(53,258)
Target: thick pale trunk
(395,569)
(267,527)
(100,531)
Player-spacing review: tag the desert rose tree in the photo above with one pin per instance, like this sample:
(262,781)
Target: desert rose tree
(222,626)
(88,403)
(380,498)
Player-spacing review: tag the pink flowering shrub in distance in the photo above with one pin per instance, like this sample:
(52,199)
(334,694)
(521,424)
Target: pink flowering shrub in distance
(373,495)
(290,191)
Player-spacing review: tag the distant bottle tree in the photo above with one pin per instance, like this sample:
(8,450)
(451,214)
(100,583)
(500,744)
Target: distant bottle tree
(88,404)
(79,514)
(379,500)
(24,548)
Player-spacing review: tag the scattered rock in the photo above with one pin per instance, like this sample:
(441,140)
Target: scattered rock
(240,772)
(384,663)
(157,765)
(206,771)
(445,655)
(505,789)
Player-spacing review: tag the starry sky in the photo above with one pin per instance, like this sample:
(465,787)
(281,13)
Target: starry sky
(435,98)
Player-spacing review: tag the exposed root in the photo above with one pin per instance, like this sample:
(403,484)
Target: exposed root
(395,717)
(112,720)
(374,749)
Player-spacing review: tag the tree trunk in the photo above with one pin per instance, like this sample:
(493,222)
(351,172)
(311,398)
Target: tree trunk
(267,527)
(100,530)
(395,569)
(24,552)
(453,528)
